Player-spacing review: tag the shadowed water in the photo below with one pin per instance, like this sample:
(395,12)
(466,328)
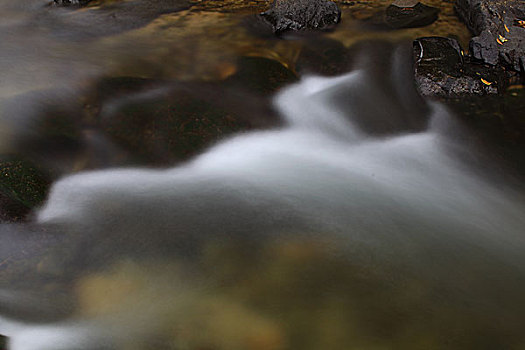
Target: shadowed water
(365,221)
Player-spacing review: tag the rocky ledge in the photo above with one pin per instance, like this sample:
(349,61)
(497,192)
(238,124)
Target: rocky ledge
(495,59)
(443,70)
(499,29)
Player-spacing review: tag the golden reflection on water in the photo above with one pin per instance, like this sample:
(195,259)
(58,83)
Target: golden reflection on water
(199,41)
(197,45)
(349,31)
(193,44)
(289,294)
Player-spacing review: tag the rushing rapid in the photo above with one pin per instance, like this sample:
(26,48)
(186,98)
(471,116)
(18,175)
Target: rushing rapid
(361,162)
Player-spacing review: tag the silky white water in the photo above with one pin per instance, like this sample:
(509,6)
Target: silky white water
(319,172)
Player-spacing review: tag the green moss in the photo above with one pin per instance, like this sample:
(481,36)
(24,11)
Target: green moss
(23,182)
(170,128)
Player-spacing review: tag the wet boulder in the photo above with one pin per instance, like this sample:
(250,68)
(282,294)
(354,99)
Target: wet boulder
(410,14)
(404,14)
(72,2)
(499,30)
(442,70)
(296,15)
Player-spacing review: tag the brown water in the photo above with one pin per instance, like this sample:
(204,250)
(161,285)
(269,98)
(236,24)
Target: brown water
(241,201)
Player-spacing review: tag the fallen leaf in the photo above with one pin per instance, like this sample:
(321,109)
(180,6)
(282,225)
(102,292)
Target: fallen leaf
(486,82)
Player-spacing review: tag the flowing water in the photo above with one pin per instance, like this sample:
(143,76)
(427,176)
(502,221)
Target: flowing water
(358,215)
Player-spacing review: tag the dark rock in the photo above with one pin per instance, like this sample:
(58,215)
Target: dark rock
(295,15)
(261,75)
(72,2)
(22,187)
(11,210)
(396,16)
(443,70)
(159,123)
(164,124)
(24,180)
(420,15)
(3,342)
(499,38)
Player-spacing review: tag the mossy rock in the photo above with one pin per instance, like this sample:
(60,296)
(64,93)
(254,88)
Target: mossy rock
(166,128)
(22,187)
(161,122)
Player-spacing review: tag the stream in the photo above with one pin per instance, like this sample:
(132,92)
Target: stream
(183,181)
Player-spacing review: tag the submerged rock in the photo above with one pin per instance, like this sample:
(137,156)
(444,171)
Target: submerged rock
(323,56)
(110,18)
(44,128)
(294,15)
(405,3)
(499,37)
(261,75)
(443,70)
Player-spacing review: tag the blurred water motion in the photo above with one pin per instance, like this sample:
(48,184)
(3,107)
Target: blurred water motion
(341,212)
